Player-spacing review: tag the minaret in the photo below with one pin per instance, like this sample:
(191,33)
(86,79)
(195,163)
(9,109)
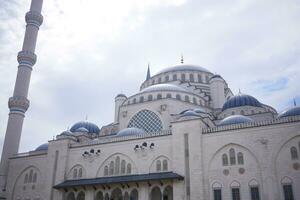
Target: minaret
(148,73)
(18,103)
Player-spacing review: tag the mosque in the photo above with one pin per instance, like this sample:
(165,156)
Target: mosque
(183,136)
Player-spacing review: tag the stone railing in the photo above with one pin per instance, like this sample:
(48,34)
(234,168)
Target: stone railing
(252,124)
(111,139)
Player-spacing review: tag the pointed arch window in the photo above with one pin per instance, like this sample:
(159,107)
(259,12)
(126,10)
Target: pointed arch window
(199,78)
(178,97)
(175,77)
(117,167)
(123,163)
(169,96)
(183,77)
(159,96)
(165,165)
(232,156)
(26,178)
(75,173)
(294,153)
(34,178)
(30,176)
(225,159)
(240,158)
(167,78)
(128,168)
(141,99)
(79,172)
(158,165)
(187,98)
(111,168)
(150,97)
(194,100)
(106,171)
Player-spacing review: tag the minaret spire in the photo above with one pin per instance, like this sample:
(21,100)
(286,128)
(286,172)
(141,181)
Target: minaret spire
(148,73)
(18,103)
(182,61)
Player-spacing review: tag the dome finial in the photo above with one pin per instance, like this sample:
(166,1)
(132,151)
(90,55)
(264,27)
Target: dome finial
(182,61)
(148,73)
(240,91)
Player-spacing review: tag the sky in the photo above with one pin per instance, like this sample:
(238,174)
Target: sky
(88,51)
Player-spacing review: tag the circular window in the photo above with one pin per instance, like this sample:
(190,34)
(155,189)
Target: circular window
(146,120)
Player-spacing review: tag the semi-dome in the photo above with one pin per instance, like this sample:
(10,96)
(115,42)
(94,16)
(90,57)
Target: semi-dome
(163,87)
(184,67)
(131,131)
(121,95)
(290,112)
(43,147)
(91,127)
(241,100)
(190,113)
(235,119)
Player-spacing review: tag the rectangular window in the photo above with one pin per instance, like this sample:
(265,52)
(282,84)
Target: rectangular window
(217,194)
(254,193)
(235,194)
(288,192)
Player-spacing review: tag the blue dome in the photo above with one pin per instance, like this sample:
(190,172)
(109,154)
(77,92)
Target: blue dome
(290,112)
(43,147)
(241,100)
(130,131)
(235,119)
(82,129)
(163,87)
(92,128)
(184,67)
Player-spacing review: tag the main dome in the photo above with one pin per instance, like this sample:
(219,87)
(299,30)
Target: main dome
(241,100)
(184,67)
(91,127)
(163,87)
(43,147)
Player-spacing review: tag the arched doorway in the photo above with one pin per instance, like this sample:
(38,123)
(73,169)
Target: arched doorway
(126,196)
(70,196)
(116,194)
(81,196)
(155,194)
(106,197)
(168,193)
(134,195)
(99,196)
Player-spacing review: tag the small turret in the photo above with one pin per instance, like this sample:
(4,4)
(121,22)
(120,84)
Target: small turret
(217,91)
(119,100)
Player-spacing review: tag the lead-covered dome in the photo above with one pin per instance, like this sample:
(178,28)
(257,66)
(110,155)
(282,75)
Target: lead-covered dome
(290,112)
(235,119)
(241,100)
(43,147)
(163,87)
(184,67)
(90,127)
(131,131)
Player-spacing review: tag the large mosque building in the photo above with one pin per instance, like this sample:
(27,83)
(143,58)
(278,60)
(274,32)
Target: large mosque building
(183,136)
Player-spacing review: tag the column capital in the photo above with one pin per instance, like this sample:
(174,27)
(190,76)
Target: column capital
(34,18)
(18,103)
(26,57)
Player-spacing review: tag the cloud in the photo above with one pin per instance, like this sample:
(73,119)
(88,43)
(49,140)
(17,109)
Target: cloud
(89,51)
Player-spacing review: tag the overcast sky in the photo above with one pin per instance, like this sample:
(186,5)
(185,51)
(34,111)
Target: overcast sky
(90,50)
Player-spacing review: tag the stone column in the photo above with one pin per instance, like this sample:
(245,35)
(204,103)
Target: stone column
(18,103)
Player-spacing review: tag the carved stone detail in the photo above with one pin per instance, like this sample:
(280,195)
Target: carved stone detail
(26,57)
(34,18)
(18,103)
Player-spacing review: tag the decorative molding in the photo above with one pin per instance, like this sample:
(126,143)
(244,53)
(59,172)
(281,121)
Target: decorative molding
(18,103)
(34,18)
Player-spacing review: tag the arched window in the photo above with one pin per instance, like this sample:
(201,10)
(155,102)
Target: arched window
(81,196)
(240,158)
(232,113)
(294,153)
(192,78)
(134,195)
(123,163)
(232,157)
(111,168)
(158,166)
(75,173)
(186,98)
(153,82)
(80,173)
(106,171)
(252,112)
(34,179)
(150,97)
(199,78)
(30,176)
(299,146)
(99,196)
(26,178)
(71,196)
(141,99)
(206,79)
(194,100)
(167,78)
(128,168)
(146,120)
(159,80)
(117,167)
(165,165)
(225,159)
(242,112)
(175,77)
(159,96)
(178,97)
(169,96)
(106,196)
(183,77)
(134,100)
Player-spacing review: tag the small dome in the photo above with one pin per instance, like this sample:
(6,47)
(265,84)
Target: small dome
(235,119)
(121,95)
(90,127)
(216,76)
(66,133)
(199,110)
(131,131)
(43,147)
(290,112)
(163,87)
(190,113)
(241,100)
(184,67)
